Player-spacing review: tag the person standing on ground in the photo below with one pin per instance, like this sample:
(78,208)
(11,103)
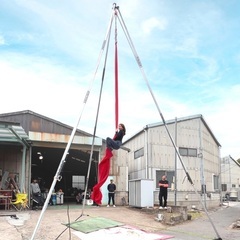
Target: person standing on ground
(111,193)
(36,193)
(163,184)
(116,142)
(35,189)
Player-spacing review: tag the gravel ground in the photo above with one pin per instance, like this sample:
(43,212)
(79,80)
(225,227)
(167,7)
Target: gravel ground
(55,216)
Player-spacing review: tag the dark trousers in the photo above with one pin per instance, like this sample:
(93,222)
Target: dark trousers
(111,196)
(163,199)
(112,144)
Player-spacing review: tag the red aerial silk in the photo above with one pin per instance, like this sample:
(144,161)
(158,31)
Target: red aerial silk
(104,165)
(116,87)
(116,74)
(103,172)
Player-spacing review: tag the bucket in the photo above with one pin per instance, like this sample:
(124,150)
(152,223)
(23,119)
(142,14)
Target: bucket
(89,201)
(160,217)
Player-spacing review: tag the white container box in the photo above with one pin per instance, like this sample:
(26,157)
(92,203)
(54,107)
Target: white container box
(59,197)
(141,193)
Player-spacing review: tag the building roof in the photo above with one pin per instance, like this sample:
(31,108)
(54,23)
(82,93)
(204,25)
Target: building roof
(4,116)
(172,121)
(33,124)
(13,133)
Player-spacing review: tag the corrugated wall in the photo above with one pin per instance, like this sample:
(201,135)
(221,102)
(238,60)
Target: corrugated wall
(159,154)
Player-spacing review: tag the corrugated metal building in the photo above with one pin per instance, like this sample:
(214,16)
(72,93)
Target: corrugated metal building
(230,176)
(14,149)
(37,147)
(152,155)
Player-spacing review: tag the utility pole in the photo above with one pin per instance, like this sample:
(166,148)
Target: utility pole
(175,177)
(200,155)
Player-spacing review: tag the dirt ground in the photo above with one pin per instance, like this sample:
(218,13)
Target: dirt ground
(54,218)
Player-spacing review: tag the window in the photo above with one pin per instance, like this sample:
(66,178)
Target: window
(224,187)
(78,182)
(190,152)
(183,151)
(234,185)
(170,176)
(216,182)
(139,153)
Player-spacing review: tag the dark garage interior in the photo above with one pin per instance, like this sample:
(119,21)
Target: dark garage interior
(45,162)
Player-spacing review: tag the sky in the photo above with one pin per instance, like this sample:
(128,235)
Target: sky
(189,50)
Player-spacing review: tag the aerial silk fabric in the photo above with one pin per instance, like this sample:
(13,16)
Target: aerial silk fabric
(116,84)
(104,165)
(103,172)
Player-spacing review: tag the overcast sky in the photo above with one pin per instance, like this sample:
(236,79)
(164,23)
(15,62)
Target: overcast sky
(190,52)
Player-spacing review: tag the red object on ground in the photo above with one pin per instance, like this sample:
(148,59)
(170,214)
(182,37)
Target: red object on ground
(103,172)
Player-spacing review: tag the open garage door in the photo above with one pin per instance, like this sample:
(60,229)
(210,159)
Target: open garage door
(45,161)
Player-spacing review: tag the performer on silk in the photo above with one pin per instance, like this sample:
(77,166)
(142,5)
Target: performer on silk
(104,165)
(116,142)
